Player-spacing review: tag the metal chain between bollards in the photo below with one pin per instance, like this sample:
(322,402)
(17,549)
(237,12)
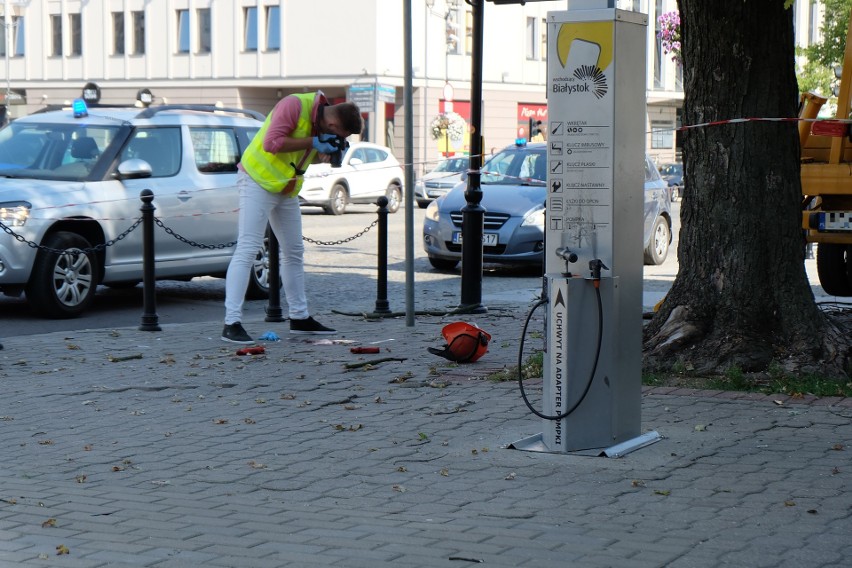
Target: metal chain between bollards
(342,241)
(96,248)
(189,242)
(100,247)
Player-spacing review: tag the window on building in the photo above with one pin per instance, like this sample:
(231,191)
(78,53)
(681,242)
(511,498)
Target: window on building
(813,23)
(75,24)
(531,38)
(18,37)
(452,32)
(543,34)
(138,18)
(658,49)
(273,28)
(250,39)
(2,39)
(118,33)
(183,31)
(661,135)
(468,32)
(203,30)
(56,35)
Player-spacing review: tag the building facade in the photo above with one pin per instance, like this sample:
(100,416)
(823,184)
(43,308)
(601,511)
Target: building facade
(250,53)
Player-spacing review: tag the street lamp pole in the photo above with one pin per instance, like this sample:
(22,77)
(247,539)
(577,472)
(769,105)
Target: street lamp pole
(7,26)
(449,93)
(473,214)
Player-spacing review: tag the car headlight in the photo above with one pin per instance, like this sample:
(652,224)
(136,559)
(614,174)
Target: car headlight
(432,212)
(534,218)
(14,213)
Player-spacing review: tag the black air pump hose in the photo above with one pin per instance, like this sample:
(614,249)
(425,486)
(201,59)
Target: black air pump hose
(565,414)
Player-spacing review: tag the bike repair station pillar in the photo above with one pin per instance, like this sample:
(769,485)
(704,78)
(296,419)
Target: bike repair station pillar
(593,235)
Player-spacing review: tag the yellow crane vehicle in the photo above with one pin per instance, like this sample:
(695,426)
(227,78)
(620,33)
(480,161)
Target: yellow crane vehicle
(827,182)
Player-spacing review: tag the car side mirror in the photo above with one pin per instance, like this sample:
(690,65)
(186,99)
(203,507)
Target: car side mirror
(133,168)
(356,162)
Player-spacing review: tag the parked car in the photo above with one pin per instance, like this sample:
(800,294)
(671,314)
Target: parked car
(440,180)
(367,172)
(70,199)
(513,195)
(673,175)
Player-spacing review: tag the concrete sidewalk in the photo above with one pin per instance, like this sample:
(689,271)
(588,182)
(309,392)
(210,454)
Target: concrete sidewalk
(166,449)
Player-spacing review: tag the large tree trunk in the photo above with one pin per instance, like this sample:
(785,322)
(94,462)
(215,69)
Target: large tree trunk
(741,297)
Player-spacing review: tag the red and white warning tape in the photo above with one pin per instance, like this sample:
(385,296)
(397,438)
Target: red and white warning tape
(782,119)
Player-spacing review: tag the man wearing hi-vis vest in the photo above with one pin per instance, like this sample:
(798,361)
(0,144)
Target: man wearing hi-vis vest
(300,130)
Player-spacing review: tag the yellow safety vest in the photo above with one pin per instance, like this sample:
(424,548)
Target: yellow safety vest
(276,172)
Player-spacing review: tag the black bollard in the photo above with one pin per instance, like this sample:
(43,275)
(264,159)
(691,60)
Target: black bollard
(473,221)
(273,278)
(382,306)
(150,320)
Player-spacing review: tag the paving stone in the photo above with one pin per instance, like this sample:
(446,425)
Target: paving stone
(230,474)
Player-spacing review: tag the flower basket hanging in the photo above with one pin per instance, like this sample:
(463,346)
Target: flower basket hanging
(449,124)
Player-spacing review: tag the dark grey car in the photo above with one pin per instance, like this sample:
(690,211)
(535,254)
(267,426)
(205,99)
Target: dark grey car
(514,192)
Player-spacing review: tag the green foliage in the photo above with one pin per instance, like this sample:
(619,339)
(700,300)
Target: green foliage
(775,380)
(533,368)
(816,74)
(830,50)
(814,78)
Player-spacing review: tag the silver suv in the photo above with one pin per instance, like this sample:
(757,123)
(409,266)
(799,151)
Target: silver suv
(70,185)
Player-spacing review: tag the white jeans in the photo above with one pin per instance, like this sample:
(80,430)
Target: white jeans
(257,207)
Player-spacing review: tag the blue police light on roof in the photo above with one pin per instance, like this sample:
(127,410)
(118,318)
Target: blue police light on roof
(80,109)
(520,141)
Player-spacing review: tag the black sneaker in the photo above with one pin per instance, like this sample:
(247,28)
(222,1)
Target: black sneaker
(234,333)
(309,326)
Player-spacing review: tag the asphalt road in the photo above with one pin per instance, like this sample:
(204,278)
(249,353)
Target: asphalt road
(339,277)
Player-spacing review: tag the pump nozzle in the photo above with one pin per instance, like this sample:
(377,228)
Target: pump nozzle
(595,265)
(566,255)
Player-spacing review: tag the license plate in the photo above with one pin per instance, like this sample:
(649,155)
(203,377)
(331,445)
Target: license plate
(488,239)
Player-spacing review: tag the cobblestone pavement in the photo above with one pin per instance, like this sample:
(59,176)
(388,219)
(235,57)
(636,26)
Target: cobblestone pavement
(166,449)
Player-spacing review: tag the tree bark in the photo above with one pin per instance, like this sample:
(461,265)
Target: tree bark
(741,298)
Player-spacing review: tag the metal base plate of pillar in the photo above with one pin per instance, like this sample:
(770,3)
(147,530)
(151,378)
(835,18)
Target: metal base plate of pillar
(535,443)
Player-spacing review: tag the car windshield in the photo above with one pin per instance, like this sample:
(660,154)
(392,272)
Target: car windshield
(670,169)
(516,166)
(63,152)
(452,165)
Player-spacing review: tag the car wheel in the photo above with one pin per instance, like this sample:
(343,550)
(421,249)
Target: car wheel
(63,285)
(258,288)
(336,200)
(675,193)
(442,263)
(394,195)
(658,245)
(834,268)
(422,204)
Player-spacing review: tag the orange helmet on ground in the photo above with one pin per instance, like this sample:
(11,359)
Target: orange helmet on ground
(465,342)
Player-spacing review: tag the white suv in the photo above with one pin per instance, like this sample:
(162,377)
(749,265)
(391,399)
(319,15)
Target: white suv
(70,197)
(366,172)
